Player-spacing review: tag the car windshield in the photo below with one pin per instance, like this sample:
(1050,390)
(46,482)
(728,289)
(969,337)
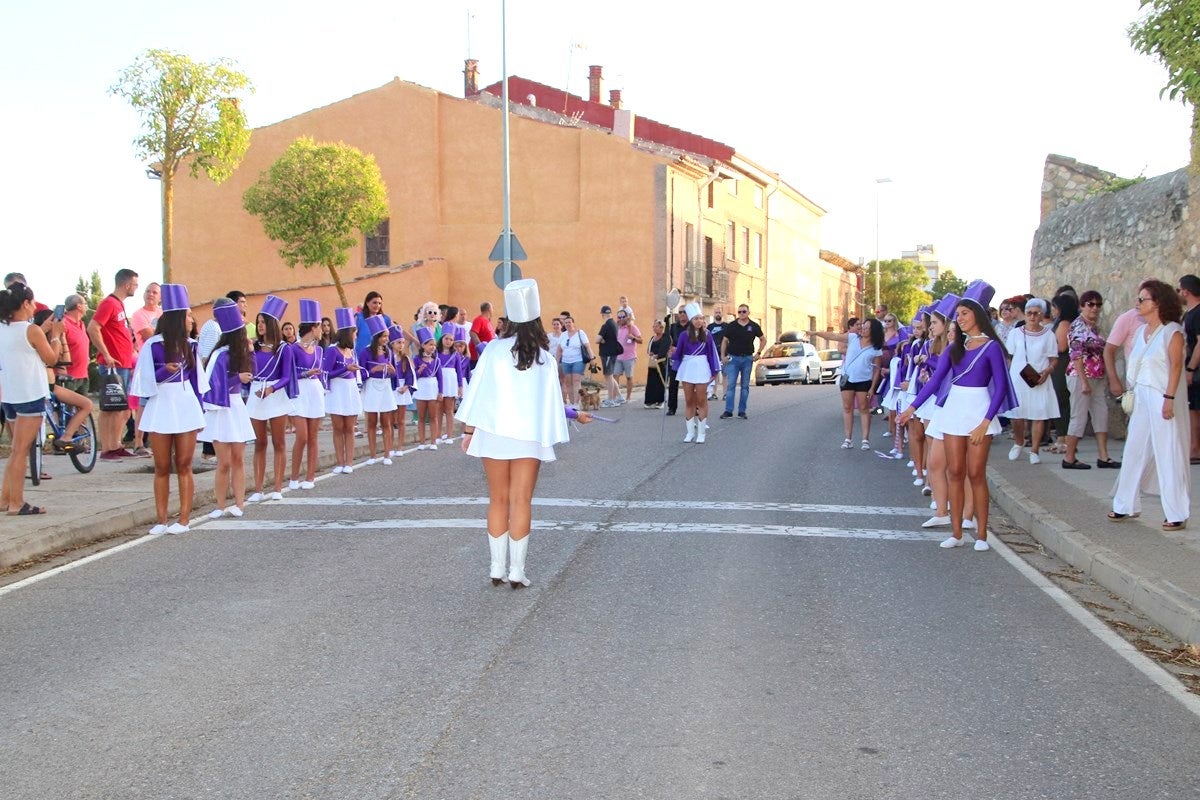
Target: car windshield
(786,350)
(829,355)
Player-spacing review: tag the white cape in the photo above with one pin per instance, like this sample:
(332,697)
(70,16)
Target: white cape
(142,384)
(519,404)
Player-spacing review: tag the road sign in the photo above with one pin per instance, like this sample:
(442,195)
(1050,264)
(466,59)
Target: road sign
(518,252)
(498,274)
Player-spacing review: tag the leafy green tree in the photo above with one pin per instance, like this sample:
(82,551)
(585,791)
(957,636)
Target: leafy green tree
(948,283)
(1169,30)
(899,286)
(92,290)
(190,112)
(318,199)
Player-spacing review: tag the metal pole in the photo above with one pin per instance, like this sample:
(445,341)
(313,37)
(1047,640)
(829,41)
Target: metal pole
(507,209)
(876,247)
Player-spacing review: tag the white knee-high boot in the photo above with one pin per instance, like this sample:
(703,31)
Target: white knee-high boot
(516,561)
(499,547)
(701,427)
(691,429)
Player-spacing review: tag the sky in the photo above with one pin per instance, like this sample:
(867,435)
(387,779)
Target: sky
(957,103)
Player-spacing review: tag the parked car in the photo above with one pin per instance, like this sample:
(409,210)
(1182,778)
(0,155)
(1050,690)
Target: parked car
(831,365)
(788,362)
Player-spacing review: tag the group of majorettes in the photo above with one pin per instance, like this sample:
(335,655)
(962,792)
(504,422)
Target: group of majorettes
(302,381)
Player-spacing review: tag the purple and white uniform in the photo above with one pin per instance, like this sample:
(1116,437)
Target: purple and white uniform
(695,362)
(171,397)
(225,416)
(379,390)
(267,373)
(306,390)
(342,372)
(428,375)
(974,390)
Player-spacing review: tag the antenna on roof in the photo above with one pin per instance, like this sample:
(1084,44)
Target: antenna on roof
(470,16)
(571,48)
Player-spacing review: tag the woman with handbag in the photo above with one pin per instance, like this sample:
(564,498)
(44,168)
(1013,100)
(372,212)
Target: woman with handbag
(1086,381)
(573,354)
(1158,422)
(1034,350)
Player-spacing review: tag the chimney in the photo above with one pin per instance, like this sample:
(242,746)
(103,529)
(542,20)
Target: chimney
(595,75)
(623,123)
(614,98)
(471,77)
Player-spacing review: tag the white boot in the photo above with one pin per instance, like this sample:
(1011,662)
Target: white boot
(516,562)
(691,426)
(701,427)
(499,546)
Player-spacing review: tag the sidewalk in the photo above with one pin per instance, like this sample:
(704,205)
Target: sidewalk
(1156,572)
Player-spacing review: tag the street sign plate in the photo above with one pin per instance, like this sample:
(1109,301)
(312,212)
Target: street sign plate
(518,252)
(498,275)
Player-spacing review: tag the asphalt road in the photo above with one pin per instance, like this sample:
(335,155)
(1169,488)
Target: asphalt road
(760,616)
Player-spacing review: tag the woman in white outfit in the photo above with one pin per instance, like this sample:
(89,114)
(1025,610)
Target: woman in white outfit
(1158,427)
(269,405)
(226,421)
(304,362)
(695,361)
(1033,345)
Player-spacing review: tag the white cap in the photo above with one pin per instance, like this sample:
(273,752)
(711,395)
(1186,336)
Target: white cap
(521,301)
(692,310)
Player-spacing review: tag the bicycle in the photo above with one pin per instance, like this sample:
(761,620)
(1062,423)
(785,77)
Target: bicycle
(81,447)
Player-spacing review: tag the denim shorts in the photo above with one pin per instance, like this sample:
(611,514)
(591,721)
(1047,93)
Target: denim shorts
(624,367)
(34,408)
(575,368)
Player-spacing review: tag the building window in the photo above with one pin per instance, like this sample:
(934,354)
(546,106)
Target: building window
(746,244)
(731,186)
(731,242)
(758,197)
(756,253)
(377,247)
(711,196)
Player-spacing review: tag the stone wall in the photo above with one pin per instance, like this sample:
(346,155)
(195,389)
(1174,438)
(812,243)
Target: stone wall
(1066,181)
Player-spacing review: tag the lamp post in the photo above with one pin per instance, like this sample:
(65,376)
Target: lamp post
(878,181)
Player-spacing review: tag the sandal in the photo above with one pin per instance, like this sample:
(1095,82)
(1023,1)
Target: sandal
(27,510)
(1115,517)
(846,444)
(1174,526)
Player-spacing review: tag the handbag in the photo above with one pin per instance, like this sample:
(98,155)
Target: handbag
(1028,374)
(585,352)
(112,394)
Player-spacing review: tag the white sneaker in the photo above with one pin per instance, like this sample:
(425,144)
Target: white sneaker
(387,462)
(896,454)
(1014,452)
(911,463)
(952,542)
(307,485)
(887,434)
(158,530)
(846,444)
(347,469)
(1034,458)
(433,447)
(177,528)
(866,445)
(936,522)
(337,470)
(916,473)
(255,498)
(234,511)
(216,513)
(919,482)
(275,496)
(606,403)
(927,491)
(969,524)
(982,546)
(932,504)
(293,485)
(420,447)
(369,462)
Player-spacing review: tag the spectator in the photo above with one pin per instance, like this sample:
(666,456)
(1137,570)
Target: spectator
(239,297)
(571,357)
(74,376)
(372,306)
(288,331)
(19,277)
(428,316)
(629,337)
(738,355)
(1010,310)
(609,348)
(1157,435)
(1066,305)
(482,332)
(326,338)
(110,333)
(1189,294)
(860,374)
(1120,338)
(657,350)
(678,327)
(623,305)
(1085,379)
(143,321)
(555,339)
(1032,345)
(717,329)
(881,311)
(25,353)
(82,405)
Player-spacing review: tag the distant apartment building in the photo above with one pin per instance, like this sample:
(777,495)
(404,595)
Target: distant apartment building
(926,256)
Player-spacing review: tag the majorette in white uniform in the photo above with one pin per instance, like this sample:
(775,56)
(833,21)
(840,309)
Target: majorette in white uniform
(268,372)
(307,388)
(225,415)
(342,372)
(379,388)
(171,397)
(405,380)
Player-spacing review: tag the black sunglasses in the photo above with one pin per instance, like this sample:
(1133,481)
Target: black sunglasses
(1094,304)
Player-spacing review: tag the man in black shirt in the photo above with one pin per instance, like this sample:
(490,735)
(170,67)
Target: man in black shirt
(674,332)
(716,329)
(610,348)
(738,356)
(1189,294)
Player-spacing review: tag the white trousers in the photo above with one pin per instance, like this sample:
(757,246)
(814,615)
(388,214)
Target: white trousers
(1156,444)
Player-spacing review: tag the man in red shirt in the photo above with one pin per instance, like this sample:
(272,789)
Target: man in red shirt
(75,375)
(481,331)
(110,332)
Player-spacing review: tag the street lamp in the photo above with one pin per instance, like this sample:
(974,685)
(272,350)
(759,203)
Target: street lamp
(878,181)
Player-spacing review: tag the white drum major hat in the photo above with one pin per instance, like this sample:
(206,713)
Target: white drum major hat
(522,303)
(693,310)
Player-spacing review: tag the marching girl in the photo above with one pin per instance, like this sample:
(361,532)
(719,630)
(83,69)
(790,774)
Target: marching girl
(448,371)
(343,402)
(169,380)
(933,452)
(405,381)
(907,392)
(513,415)
(695,362)
(974,388)
(462,336)
(895,393)
(226,421)
(304,362)
(379,392)
(428,395)
(269,405)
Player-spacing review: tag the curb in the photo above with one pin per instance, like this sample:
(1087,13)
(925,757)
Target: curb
(1168,606)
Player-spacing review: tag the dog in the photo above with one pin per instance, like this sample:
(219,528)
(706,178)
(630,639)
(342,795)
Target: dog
(589,399)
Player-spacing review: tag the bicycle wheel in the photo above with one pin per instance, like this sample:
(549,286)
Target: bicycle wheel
(35,462)
(84,452)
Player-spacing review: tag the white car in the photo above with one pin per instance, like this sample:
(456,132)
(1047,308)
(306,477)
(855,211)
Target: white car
(831,365)
(788,362)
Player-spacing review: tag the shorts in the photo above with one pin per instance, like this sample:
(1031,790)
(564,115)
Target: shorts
(609,363)
(33,408)
(624,367)
(126,375)
(76,385)
(861,386)
(573,368)
(1193,397)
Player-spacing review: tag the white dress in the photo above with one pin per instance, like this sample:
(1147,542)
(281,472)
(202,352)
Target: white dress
(171,406)
(1036,402)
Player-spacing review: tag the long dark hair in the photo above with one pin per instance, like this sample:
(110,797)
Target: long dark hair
(366,312)
(239,350)
(875,333)
(12,298)
(958,348)
(697,334)
(531,341)
(344,338)
(379,345)
(327,338)
(177,346)
(1068,307)
(271,336)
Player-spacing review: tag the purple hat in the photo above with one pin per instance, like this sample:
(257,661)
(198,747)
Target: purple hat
(448,329)
(376,325)
(343,318)
(310,312)
(945,307)
(460,334)
(174,297)
(905,332)
(395,334)
(229,318)
(274,307)
(980,293)
(424,334)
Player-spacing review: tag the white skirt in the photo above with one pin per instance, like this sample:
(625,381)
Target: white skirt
(174,409)
(449,382)
(427,389)
(277,404)
(378,396)
(962,412)
(343,398)
(1034,402)
(694,369)
(230,425)
(928,409)
(491,445)
(404,399)
(310,403)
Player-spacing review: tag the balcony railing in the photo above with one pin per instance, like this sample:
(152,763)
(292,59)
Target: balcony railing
(709,282)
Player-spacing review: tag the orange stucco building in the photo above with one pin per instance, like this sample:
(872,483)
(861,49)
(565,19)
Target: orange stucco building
(605,203)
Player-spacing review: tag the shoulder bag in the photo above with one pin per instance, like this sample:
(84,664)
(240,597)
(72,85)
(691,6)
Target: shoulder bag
(1126,397)
(1028,374)
(585,352)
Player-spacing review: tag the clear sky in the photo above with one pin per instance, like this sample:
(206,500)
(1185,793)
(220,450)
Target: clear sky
(958,103)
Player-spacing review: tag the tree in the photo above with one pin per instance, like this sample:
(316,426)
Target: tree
(92,290)
(948,283)
(317,199)
(1169,31)
(189,112)
(899,286)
